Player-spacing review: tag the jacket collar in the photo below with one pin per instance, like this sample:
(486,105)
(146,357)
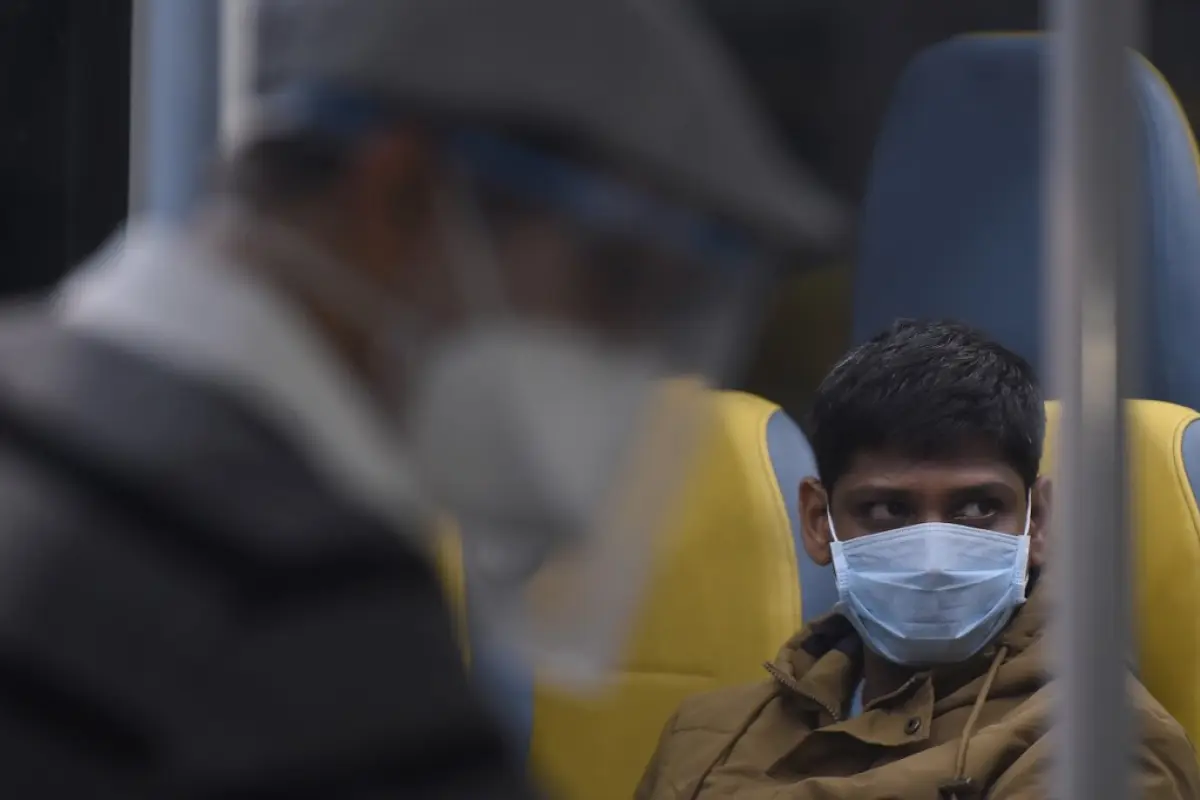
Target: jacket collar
(822,665)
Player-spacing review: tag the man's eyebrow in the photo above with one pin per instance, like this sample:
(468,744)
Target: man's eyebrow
(880,490)
(888,489)
(982,488)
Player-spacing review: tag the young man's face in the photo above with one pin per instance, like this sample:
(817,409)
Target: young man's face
(883,490)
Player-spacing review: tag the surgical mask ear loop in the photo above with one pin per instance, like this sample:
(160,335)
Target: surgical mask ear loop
(829,519)
(1028,520)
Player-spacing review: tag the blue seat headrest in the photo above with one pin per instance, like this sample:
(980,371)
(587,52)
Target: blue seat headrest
(952,221)
(793,461)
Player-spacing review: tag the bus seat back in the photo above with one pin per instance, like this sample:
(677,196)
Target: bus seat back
(725,593)
(1164,463)
(952,220)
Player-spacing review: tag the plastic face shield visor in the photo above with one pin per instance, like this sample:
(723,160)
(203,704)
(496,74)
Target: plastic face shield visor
(575,248)
(661,300)
(647,281)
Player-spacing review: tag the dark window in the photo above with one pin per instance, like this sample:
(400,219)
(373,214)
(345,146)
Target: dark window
(64,133)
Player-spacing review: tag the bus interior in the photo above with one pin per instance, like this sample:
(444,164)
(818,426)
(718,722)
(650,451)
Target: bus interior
(926,117)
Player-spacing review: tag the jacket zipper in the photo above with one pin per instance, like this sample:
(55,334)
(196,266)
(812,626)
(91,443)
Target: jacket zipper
(789,682)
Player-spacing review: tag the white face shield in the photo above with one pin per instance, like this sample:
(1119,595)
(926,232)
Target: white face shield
(542,420)
(547,426)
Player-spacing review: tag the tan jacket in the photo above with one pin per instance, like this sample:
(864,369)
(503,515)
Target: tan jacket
(972,730)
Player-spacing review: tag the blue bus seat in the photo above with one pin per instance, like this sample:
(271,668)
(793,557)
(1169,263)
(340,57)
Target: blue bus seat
(952,220)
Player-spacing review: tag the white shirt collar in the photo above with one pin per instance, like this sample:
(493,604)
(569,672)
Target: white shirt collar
(162,293)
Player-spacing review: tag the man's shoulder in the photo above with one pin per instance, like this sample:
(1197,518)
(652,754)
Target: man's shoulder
(722,710)
(169,563)
(1150,716)
(55,380)
(1159,733)
(1165,765)
(153,474)
(695,736)
(101,421)
(1160,730)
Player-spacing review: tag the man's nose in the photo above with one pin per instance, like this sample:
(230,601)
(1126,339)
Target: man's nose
(931,514)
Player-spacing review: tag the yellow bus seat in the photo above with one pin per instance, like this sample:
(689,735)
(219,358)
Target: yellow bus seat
(732,583)
(726,592)
(951,224)
(729,587)
(1164,464)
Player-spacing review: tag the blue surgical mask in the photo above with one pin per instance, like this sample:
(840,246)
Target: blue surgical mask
(933,593)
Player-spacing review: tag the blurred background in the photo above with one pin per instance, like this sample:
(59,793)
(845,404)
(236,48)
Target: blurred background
(823,68)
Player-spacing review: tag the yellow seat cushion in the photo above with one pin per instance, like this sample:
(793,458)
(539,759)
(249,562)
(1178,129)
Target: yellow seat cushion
(725,593)
(1162,439)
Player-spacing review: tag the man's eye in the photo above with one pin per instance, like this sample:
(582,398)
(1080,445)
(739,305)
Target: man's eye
(888,511)
(978,509)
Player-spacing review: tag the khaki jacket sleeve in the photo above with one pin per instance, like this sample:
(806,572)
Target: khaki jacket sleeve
(1166,767)
(646,788)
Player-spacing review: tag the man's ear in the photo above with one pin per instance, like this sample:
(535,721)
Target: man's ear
(814,521)
(1041,496)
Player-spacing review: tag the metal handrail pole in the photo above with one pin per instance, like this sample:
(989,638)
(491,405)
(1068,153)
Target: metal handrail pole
(1092,225)
(174,108)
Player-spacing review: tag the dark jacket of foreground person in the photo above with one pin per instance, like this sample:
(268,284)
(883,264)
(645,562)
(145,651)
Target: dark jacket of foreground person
(187,611)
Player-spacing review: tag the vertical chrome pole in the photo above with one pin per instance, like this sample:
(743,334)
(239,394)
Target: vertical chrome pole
(238,22)
(1093,222)
(174,103)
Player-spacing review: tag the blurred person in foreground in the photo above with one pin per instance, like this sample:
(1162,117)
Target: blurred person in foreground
(444,271)
(929,679)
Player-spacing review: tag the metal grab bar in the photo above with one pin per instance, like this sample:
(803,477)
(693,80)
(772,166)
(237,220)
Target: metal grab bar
(1091,224)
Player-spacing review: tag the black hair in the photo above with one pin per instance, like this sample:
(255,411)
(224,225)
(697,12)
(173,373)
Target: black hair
(928,389)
